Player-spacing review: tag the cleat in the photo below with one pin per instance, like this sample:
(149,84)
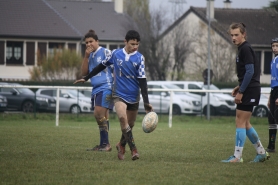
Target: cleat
(121,151)
(134,154)
(232,159)
(261,157)
(96,148)
(105,148)
(270,150)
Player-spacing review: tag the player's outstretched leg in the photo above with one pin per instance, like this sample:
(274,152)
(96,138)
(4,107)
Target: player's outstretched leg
(262,154)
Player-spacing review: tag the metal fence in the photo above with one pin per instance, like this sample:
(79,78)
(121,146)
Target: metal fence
(171,91)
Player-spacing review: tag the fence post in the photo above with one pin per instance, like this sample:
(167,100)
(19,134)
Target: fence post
(57,106)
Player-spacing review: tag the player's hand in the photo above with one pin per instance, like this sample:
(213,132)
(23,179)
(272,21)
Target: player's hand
(235,91)
(238,98)
(88,51)
(148,107)
(79,81)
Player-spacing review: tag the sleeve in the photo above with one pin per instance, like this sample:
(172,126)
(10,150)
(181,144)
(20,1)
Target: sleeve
(107,61)
(247,77)
(141,69)
(95,71)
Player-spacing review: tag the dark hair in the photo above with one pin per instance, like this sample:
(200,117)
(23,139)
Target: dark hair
(274,40)
(132,35)
(241,26)
(91,33)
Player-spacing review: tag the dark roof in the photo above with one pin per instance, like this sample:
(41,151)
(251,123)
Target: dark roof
(61,19)
(260,23)
(99,16)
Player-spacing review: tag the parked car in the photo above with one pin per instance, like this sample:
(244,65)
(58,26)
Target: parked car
(220,103)
(24,99)
(160,100)
(69,100)
(3,103)
(87,93)
(261,110)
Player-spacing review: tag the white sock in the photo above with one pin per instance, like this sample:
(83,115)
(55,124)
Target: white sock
(259,147)
(238,152)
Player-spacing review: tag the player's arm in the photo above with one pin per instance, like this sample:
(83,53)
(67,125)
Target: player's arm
(144,92)
(94,72)
(247,77)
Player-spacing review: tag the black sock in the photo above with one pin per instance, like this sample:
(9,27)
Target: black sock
(272,138)
(129,138)
(123,141)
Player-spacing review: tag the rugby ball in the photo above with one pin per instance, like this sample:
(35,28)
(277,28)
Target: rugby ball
(149,122)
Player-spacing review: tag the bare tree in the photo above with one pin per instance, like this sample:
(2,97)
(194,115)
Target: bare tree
(149,26)
(222,56)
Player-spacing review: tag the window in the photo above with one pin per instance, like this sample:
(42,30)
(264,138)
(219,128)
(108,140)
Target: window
(14,53)
(112,47)
(58,47)
(258,56)
(267,60)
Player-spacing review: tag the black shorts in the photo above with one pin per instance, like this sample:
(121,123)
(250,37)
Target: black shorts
(130,106)
(251,98)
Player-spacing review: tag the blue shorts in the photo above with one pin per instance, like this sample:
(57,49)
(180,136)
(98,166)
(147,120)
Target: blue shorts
(103,99)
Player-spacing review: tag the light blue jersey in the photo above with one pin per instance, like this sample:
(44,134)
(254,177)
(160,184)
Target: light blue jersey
(127,68)
(103,80)
(274,72)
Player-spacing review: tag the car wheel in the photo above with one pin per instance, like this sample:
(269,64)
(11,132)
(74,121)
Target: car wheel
(176,110)
(260,111)
(74,109)
(212,111)
(27,106)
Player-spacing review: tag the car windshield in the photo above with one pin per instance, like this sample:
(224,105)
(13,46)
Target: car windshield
(74,93)
(211,87)
(25,90)
(172,86)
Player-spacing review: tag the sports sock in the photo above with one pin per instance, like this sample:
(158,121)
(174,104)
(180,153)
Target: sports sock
(122,140)
(254,138)
(272,138)
(108,124)
(103,129)
(129,138)
(239,142)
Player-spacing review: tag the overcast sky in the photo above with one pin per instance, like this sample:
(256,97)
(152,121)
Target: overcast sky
(156,4)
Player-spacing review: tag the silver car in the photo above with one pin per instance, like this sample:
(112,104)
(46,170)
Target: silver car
(69,100)
(160,100)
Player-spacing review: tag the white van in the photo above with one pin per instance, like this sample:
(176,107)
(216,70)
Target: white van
(160,100)
(220,103)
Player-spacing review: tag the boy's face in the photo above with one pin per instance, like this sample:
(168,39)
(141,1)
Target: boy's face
(91,43)
(237,37)
(131,46)
(275,48)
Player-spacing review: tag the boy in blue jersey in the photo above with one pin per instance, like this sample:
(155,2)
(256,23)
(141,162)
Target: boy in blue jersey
(129,78)
(102,87)
(247,95)
(273,98)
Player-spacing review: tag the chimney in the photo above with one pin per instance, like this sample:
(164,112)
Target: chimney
(227,4)
(210,9)
(119,6)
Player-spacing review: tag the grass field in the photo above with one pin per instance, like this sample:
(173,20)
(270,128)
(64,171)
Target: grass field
(35,151)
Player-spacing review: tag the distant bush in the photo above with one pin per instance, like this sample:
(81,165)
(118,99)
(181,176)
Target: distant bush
(62,65)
